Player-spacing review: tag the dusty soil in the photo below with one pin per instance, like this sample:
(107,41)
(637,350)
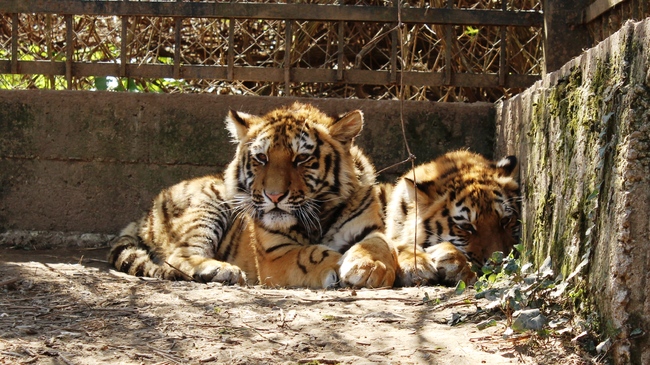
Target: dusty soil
(69,307)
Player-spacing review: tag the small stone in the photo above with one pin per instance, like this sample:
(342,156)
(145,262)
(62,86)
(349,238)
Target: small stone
(530,319)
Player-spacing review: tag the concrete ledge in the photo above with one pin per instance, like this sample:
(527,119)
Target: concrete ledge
(73,161)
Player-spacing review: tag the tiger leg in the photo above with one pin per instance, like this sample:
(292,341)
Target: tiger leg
(370,263)
(313,266)
(200,268)
(129,255)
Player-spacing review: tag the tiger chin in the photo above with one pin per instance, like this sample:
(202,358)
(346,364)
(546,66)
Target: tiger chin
(452,212)
(295,208)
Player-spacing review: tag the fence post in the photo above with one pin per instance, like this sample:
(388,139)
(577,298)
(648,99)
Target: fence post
(564,36)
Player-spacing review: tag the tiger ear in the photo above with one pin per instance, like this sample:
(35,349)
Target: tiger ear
(347,127)
(507,166)
(416,192)
(237,124)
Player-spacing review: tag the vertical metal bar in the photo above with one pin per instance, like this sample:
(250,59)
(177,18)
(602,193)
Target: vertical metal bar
(49,51)
(503,62)
(448,30)
(288,44)
(123,49)
(14,43)
(178,24)
(393,49)
(231,49)
(341,51)
(69,50)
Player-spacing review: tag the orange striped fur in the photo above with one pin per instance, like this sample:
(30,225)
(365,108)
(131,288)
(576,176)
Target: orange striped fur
(296,207)
(467,208)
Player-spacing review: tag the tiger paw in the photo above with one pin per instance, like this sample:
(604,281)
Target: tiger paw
(451,264)
(368,264)
(415,268)
(221,272)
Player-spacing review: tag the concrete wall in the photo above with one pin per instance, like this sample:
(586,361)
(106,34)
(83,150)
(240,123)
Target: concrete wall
(582,134)
(76,166)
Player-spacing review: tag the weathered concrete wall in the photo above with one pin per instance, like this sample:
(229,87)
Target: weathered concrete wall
(89,162)
(582,134)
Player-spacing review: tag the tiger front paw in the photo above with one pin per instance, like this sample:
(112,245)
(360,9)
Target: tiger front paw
(451,264)
(369,264)
(415,268)
(218,271)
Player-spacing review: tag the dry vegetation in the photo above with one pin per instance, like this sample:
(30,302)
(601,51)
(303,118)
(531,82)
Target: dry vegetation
(260,43)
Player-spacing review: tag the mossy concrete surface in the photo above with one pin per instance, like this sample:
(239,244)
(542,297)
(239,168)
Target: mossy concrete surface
(77,166)
(582,134)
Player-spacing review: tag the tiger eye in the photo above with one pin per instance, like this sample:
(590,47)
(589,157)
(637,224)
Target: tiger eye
(300,158)
(466,227)
(261,158)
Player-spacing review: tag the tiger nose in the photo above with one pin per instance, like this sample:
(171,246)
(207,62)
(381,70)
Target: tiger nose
(275,197)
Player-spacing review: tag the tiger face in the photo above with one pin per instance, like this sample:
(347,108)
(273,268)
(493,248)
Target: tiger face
(461,199)
(289,162)
(310,193)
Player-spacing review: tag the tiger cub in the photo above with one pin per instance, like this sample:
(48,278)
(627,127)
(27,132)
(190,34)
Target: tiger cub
(296,207)
(467,208)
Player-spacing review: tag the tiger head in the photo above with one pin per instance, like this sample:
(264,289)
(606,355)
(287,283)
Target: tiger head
(462,198)
(291,164)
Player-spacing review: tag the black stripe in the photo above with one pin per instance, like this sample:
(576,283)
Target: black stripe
(234,241)
(404,207)
(301,266)
(438,228)
(276,247)
(139,271)
(367,200)
(126,263)
(359,237)
(117,250)
(428,231)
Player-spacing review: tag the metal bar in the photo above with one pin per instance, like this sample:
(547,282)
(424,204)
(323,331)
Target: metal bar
(14,43)
(448,40)
(598,8)
(299,12)
(288,44)
(231,48)
(341,51)
(123,58)
(178,25)
(48,47)
(503,40)
(69,50)
(266,74)
(393,46)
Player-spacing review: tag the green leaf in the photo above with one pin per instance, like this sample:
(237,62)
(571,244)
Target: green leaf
(497,256)
(519,247)
(460,287)
(485,324)
(100,83)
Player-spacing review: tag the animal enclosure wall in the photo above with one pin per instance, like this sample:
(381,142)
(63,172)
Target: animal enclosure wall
(583,135)
(76,166)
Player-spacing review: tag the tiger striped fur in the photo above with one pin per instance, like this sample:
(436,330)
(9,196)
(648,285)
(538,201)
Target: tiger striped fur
(467,208)
(296,207)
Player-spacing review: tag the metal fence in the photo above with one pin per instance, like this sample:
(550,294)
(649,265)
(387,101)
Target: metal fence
(442,50)
(605,17)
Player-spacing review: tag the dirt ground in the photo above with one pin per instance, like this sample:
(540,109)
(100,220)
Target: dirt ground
(69,307)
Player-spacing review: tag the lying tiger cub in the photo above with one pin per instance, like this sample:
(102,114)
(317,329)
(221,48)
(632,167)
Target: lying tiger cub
(466,210)
(296,207)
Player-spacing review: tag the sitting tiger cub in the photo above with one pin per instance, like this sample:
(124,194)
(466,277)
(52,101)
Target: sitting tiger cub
(296,207)
(466,210)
